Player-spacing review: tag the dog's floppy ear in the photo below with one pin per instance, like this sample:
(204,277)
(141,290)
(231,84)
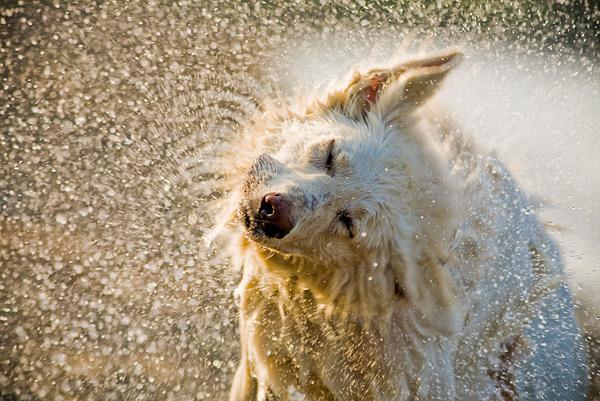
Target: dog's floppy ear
(394,90)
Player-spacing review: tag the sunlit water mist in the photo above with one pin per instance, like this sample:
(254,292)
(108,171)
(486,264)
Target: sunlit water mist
(111,115)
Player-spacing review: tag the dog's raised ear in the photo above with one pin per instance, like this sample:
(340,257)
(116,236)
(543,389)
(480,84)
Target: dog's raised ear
(396,90)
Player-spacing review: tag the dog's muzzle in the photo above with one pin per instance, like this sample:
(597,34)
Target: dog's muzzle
(272,217)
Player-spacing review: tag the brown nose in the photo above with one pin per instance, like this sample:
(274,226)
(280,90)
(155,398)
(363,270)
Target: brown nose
(274,216)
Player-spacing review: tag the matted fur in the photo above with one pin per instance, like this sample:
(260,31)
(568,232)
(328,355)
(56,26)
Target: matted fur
(444,269)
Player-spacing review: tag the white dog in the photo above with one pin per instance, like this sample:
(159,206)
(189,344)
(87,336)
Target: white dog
(385,258)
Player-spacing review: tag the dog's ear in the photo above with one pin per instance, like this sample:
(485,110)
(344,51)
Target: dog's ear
(396,90)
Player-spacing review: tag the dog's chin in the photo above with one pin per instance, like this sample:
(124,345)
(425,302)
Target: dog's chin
(263,242)
(268,231)
(267,236)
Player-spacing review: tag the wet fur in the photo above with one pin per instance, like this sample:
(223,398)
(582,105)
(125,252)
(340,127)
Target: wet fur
(452,266)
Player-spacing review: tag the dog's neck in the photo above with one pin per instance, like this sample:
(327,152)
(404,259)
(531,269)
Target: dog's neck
(312,299)
(334,287)
(362,292)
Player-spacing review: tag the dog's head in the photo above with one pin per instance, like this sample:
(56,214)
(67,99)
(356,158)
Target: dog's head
(357,181)
(350,172)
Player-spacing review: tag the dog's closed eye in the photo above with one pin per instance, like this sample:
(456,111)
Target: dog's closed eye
(343,217)
(329,159)
(322,156)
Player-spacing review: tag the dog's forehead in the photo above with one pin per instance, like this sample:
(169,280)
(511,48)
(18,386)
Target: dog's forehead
(301,136)
(317,129)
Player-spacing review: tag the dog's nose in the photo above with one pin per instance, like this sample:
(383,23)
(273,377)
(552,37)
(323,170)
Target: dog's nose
(274,216)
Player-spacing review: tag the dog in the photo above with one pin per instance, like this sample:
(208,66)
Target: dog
(384,256)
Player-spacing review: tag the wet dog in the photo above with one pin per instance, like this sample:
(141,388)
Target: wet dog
(385,257)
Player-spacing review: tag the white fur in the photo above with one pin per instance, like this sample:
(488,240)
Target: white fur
(447,263)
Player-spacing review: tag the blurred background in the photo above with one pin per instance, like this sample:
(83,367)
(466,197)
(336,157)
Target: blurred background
(110,115)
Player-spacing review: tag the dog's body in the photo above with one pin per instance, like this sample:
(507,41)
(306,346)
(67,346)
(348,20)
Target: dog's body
(385,258)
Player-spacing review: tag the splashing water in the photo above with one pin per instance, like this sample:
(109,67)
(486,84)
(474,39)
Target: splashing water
(112,112)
